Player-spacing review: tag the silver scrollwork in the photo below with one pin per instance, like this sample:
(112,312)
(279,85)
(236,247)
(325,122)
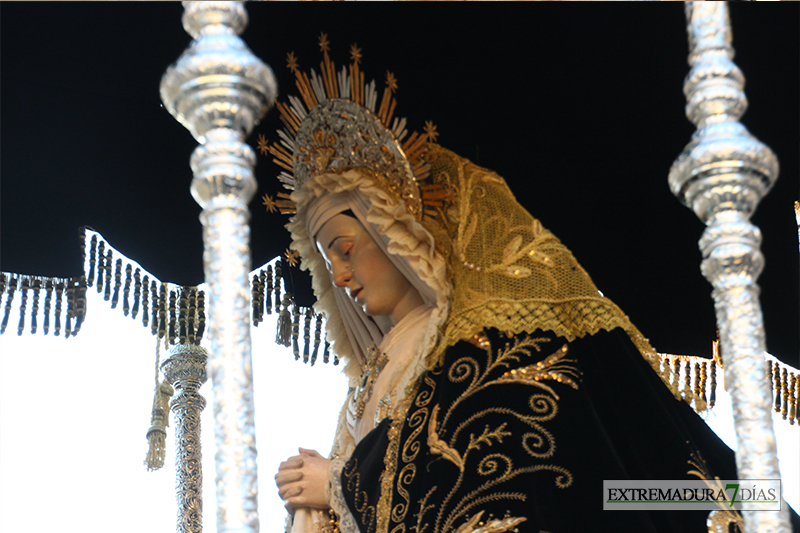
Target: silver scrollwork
(185,369)
(722,174)
(218,89)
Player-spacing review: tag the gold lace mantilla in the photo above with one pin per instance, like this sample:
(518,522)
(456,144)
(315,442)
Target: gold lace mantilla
(509,272)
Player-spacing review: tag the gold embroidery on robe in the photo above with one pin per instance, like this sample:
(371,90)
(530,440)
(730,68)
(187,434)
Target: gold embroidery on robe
(477,456)
(719,520)
(361,502)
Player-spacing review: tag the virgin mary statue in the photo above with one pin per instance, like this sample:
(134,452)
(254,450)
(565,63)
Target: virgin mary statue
(492,386)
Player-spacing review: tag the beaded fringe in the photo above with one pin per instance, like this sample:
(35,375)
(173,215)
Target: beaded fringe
(30,289)
(785,386)
(700,376)
(171,312)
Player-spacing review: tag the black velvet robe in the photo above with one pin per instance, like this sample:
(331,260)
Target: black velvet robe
(479,435)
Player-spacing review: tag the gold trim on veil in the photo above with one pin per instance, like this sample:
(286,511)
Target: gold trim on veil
(509,272)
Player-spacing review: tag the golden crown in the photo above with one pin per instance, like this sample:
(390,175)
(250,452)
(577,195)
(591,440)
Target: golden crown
(334,126)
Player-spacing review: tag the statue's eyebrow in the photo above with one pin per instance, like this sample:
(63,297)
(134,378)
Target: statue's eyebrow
(333,241)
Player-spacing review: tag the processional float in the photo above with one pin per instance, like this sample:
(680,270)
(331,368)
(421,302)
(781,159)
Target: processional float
(722,174)
(219,89)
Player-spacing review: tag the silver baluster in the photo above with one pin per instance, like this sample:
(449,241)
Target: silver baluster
(722,174)
(185,369)
(218,89)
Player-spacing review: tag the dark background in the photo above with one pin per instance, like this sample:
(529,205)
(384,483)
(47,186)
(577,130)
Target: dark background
(578,105)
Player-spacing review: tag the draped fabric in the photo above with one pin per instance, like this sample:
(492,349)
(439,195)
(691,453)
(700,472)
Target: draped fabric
(479,443)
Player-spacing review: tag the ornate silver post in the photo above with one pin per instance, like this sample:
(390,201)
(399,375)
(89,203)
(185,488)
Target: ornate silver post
(722,174)
(218,89)
(185,369)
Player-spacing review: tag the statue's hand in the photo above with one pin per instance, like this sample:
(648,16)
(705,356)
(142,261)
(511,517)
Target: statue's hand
(302,480)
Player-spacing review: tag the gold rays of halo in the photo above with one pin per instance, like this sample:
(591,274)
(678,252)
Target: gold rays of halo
(282,203)
(292,256)
(348,84)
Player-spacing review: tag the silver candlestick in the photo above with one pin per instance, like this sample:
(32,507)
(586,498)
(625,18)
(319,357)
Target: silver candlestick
(218,89)
(722,174)
(185,369)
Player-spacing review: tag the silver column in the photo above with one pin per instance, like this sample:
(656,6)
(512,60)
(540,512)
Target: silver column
(185,369)
(218,89)
(722,174)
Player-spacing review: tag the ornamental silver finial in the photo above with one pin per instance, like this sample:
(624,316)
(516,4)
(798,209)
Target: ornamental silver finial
(218,89)
(217,82)
(722,174)
(185,369)
(723,167)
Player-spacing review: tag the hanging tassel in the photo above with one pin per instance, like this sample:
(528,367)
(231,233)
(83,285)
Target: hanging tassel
(269,289)
(182,312)
(713,395)
(23,305)
(154,310)
(12,285)
(92,261)
(157,434)
(191,313)
(82,237)
(307,336)
(101,269)
(2,285)
(70,308)
(699,388)
(284,334)
(258,299)
(201,317)
(793,399)
(126,307)
(117,283)
(145,295)
(325,354)
(254,299)
(137,289)
(48,293)
(704,381)
(172,316)
(687,376)
(159,420)
(79,308)
(59,293)
(785,399)
(162,311)
(278,278)
(109,262)
(776,385)
(317,332)
(262,279)
(35,308)
(80,305)
(295,331)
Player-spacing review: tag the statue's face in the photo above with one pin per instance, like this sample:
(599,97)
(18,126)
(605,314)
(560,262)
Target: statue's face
(358,264)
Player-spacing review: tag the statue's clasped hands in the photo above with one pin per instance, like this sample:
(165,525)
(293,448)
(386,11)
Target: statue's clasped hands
(302,480)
